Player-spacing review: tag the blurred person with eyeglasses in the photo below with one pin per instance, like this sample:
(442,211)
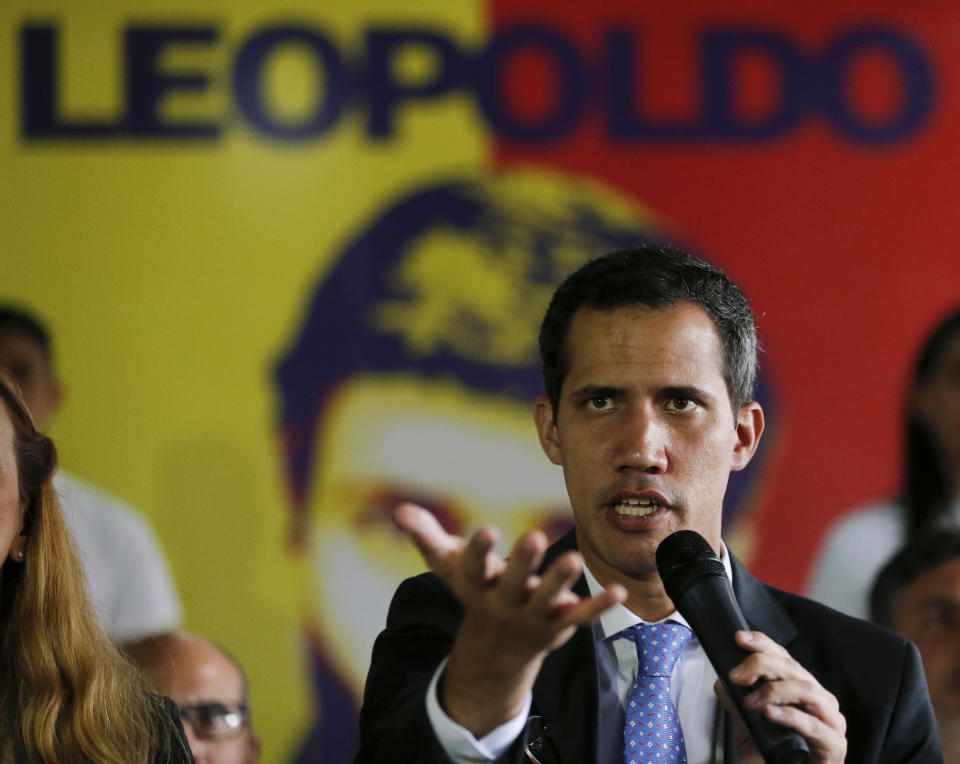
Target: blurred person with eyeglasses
(211,691)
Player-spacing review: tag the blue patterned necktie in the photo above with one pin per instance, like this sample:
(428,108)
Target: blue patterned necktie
(651,734)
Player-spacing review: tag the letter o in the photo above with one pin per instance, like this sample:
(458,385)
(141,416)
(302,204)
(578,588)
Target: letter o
(247,77)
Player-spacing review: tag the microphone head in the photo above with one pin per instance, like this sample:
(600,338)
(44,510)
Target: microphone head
(683,558)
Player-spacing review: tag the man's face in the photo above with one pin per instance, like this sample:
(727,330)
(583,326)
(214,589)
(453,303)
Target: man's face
(927,612)
(25,361)
(645,433)
(195,673)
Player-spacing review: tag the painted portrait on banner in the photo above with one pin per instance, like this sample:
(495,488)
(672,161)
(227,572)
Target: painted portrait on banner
(412,377)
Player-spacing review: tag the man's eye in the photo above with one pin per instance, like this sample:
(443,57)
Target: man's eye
(599,403)
(941,618)
(680,404)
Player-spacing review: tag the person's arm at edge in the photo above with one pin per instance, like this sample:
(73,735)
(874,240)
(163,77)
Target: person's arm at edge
(912,735)
(394,722)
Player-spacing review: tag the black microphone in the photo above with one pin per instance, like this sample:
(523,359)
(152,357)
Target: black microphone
(698,585)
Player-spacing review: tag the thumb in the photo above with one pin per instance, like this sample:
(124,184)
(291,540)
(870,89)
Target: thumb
(423,528)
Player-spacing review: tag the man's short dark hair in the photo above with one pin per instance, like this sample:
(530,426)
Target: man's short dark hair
(655,277)
(923,552)
(15,319)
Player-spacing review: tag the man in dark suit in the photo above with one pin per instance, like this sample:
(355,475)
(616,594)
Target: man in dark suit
(649,362)
(917,592)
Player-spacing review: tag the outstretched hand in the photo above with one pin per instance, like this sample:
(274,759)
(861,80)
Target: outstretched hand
(513,617)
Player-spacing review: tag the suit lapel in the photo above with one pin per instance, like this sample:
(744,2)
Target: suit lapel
(565,693)
(760,609)
(762,613)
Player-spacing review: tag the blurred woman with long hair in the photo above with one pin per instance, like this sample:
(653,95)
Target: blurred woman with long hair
(859,544)
(66,693)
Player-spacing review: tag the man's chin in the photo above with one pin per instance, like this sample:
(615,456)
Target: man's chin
(639,565)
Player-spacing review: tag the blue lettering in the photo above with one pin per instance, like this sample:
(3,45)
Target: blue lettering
(385,93)
(248,81)
(916,85)
(627,122)
(721,49)
(39,89)
(146,86)
(807,84)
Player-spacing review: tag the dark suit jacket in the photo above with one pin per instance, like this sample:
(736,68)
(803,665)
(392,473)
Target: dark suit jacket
(875,674)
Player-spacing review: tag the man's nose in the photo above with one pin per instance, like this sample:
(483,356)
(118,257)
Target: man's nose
(642,443)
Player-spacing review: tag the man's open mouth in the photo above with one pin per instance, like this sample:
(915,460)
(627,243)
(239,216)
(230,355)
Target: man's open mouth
(635,507)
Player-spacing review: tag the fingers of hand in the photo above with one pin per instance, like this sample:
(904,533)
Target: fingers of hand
(588,610)
(827,742)
(479,564)
(555,586)
(437,546)
(525,558)
(808,709)
(769,661)
(792,697)
(807,695)
(551,598)
(789,682)
(758,642)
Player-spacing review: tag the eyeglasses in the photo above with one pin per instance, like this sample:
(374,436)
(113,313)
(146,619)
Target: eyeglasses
(215,721)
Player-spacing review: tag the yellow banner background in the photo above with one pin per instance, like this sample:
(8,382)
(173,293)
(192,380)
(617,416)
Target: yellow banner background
(173,274)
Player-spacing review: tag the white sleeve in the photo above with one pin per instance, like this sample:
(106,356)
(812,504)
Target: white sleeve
(128,580)
(459,743)
(851,555)
(146,600)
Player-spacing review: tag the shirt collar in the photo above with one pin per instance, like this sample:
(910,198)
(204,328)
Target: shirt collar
(618,618)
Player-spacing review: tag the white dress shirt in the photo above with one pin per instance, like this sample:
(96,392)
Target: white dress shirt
(617,666)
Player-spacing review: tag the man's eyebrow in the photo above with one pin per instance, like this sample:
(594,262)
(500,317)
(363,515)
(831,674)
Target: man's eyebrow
(671,391)
(939,601)
(686,391)
(596,391)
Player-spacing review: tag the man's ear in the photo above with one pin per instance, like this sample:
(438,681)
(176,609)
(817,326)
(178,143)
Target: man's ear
(47,403)
(547,429)
(56,395)
(254,748)
(749,430)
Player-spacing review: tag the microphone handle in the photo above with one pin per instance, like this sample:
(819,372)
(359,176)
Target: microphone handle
(714,615)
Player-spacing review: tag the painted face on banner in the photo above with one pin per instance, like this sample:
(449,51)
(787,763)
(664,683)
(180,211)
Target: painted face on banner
(413,377)
(470,458)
